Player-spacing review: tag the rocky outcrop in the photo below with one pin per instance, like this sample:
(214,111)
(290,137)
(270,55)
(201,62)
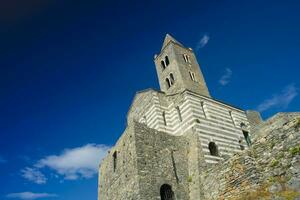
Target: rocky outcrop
(277,121)
(269,169)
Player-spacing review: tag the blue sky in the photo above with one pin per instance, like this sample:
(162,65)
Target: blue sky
(69,71)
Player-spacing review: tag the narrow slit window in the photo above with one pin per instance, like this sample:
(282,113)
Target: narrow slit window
(179,113)
(247,137)
(231,117)
(203,110)
(115,161)
(164,118)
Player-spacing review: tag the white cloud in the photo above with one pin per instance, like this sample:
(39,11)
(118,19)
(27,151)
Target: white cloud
(225,79)
(34,175)
(202,42)
(29,195)
(81,162)
(281,100)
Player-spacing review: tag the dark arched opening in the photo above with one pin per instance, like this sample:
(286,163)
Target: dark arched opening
(172,78)
(166,192)
(167,61)
(163,65)
(115,160)
(168,83)
(213,149)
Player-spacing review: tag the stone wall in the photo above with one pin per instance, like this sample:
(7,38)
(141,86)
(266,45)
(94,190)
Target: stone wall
(121,182)
(148,159)
(270,169)
(161,159)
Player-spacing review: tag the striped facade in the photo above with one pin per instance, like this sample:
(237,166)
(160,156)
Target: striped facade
(214,121)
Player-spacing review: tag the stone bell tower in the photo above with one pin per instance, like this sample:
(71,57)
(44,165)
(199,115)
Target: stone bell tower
(172,135)
(178,69)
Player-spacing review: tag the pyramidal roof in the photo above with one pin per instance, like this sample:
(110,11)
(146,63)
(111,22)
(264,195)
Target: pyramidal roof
(168,39)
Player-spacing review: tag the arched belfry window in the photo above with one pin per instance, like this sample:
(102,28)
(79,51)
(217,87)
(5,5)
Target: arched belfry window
(172,79)
(186,58)
(167,60)
(168,83)
(163,65)
(166,192)
(193,76)
(213,149)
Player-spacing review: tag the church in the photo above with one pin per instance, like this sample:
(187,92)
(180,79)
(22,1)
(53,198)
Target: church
(172,134)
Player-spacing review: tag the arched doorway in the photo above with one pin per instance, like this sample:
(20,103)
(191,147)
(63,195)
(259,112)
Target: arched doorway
(166,192)
(213,149)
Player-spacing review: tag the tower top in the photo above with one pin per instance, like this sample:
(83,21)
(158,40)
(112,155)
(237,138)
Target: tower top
(169,39)
(178,70)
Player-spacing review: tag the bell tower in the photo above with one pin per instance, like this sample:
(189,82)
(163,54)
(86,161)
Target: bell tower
(178,70)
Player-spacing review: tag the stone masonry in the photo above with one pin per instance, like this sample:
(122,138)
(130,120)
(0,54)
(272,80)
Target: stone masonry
(270,169)
(181,144)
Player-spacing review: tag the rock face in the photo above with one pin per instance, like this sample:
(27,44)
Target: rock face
(270,169)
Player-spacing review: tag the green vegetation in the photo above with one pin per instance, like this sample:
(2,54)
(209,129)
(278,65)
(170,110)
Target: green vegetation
(280,156)
(274,163)
(297,123)
(190,179)
(272,144)
(294,150)
(263,193)
(272,179)
(289,194)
